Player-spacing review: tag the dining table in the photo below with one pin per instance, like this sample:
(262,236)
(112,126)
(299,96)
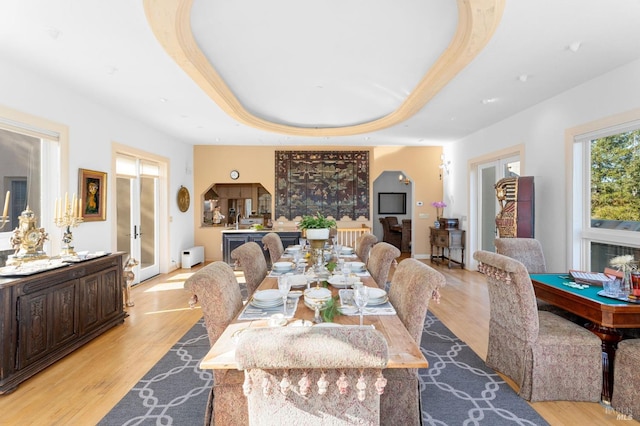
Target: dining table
(605,315)
(404,352)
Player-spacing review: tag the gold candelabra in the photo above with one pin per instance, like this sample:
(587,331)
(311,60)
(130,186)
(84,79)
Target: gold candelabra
(68,215)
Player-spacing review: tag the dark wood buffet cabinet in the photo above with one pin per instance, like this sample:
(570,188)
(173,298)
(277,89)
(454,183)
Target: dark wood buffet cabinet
(46,316)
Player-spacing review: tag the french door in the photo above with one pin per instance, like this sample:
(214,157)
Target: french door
(488,174)
(137,211)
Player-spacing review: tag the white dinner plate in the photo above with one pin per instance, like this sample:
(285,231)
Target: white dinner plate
(267,295)
(356,266)
(266,305)
(338,281)
(346,250)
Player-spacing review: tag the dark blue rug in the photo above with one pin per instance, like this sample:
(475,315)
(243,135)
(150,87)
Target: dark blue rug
(456,389)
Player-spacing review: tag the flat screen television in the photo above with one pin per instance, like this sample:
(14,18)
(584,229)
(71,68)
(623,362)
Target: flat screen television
(392,203)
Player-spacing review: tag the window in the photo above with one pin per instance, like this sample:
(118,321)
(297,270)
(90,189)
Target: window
(607,179)
(31,156)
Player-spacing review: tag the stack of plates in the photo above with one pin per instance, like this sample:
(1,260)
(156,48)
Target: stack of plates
(346,250)
(338,281)
(266,299)
(283,266)
(292,249)
(297,281)
(356,266)
(377,296)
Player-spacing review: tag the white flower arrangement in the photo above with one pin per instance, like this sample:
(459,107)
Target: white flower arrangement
(622,263)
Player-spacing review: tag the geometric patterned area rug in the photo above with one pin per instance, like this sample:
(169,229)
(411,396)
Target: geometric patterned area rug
(456,389)
(459,389)
(173,392)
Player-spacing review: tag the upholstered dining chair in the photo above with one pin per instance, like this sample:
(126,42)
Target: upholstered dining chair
(626,379)
(250,258)
(381,257)
(548,357)
(414,284)
(216,289)
(363,246)
(388,235)
(528,251)
(313,375)
(273,243)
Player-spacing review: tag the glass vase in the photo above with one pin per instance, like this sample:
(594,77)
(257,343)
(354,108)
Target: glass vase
(625,285)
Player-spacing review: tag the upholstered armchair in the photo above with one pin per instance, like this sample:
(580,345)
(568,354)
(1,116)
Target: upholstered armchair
(381,257)
(313,375)
(547,356)
(273,243)
(528,251)
(414,284)
(216,289)
(250,258)
(388,235)
(363,246)
(626,380)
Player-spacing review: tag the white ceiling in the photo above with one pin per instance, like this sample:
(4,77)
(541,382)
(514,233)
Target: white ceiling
(311,64)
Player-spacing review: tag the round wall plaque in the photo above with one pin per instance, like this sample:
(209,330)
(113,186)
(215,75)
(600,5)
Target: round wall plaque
(183,199)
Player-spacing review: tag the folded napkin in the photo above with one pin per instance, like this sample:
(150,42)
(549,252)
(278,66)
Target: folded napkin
(384,309)
(251,312)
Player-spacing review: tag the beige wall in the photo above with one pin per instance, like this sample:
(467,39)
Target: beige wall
(212,164)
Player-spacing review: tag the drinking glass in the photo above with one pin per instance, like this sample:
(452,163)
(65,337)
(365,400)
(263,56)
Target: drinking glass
(346,270)
(361,298)
(338,249)
(284,285)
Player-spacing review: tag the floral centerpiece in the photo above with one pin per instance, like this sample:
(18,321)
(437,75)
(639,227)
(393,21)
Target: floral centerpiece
(624,264)
(439,205)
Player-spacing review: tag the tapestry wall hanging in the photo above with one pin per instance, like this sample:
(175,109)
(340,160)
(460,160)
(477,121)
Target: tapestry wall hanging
(334,183)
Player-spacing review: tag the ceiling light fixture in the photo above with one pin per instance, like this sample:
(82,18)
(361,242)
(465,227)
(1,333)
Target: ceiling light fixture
(489,101)
(523,78)
(575,46)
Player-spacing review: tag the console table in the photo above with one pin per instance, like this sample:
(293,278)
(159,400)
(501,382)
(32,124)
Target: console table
(46,316)
(444,240)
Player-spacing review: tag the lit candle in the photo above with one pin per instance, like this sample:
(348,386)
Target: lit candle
(6,204)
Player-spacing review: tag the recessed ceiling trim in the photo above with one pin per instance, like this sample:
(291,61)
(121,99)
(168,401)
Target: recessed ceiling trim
(170,22)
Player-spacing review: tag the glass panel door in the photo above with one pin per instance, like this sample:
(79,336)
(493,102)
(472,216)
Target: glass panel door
(137,222)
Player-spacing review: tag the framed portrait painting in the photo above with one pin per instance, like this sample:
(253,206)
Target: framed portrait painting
(93,195)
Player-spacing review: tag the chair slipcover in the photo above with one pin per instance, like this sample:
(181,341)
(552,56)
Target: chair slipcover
(626,379)
(528,251)
(413,285)
(216,289)
(548,357)
(250,258)
(363,246)
(273,243)
(381,257)
(313,375)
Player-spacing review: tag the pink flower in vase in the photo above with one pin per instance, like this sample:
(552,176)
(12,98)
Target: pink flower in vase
(439,205)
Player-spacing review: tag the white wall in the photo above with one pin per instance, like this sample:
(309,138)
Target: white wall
(92,129)
(541,129)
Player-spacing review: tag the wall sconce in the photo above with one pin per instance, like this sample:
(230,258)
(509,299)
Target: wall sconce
(403,179)
(444,165)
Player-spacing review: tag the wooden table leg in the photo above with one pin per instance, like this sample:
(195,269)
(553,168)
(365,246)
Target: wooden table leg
(610,338)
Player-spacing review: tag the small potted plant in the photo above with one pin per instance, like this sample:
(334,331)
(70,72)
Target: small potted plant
(316,227)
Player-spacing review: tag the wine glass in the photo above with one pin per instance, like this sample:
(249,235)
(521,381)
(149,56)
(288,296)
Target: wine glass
(361,298)
(284,285)
(345,268)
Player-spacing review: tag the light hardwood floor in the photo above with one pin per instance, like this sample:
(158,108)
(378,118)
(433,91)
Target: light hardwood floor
(84,386)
